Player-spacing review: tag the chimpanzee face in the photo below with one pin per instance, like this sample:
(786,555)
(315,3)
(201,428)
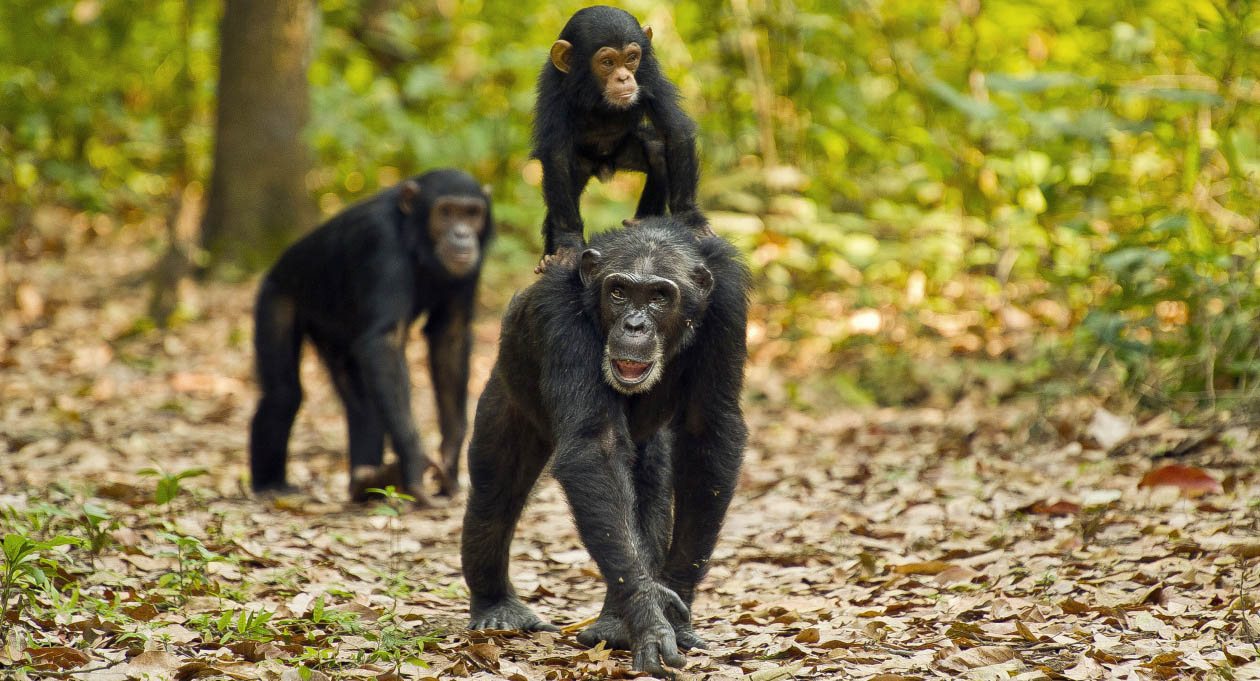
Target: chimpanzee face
(638,312)
(455,226)
(643,313)
(613,66)
(456,221)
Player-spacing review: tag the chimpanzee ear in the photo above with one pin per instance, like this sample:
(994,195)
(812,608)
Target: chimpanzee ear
(647,30)
(487,189)
(591,258)
(407,196)
(703,278)
(560,51)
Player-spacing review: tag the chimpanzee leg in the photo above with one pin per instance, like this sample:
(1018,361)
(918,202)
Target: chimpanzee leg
(277,348)
(381,364)
(450,339)
(367,437)
(505,458)
(652,474)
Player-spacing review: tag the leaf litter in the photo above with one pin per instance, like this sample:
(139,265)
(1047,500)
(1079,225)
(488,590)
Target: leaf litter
(981,542)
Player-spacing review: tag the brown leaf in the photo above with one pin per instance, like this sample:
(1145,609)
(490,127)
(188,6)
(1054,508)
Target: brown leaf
(955,574)
(1244,550)
(61,656)
(484,655)
(1191,481)
(931,567)
(1047,507)
(143,612)
(154,663)
(980,656)
(809,635)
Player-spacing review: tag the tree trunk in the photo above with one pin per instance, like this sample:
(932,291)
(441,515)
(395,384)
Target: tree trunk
(258,201)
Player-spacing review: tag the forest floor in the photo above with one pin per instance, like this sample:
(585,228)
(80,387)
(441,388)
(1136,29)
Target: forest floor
(1026,541)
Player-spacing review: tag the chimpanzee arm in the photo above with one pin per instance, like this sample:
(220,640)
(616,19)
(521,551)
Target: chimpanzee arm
(563,181)
(449,334)
(709,428)
(678,132)
(380,358)
(592,463)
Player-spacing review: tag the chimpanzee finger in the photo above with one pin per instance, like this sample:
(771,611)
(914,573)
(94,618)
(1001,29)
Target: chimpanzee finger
(674,607)
(648,659)
(670,654)
(688,639)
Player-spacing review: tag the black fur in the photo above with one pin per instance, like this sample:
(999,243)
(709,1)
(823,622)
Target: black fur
(353,287)
(627,463)
(577,135)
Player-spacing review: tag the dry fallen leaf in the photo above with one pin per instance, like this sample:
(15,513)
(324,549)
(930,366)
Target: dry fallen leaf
(60,656)
(931,567)
(980,656)
(1192,482)
(1056,507)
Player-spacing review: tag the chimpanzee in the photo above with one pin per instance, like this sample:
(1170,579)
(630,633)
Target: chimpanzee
(353,287)
(601,81)
(625,372)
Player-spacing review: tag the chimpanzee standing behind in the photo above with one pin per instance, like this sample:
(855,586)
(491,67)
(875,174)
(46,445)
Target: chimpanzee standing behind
(626,373)
(353,287)
(600,82)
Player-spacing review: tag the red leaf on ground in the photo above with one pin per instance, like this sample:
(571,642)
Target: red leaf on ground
(1191,481)
(1045,507)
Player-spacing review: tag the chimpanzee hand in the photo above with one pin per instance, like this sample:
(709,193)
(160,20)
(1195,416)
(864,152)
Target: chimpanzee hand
(563,257)
(698,223)
(650,614)
(364,478)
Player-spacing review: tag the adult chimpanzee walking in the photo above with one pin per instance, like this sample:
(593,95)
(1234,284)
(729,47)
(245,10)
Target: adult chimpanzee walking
(353,287)
(626,373)
(600,83)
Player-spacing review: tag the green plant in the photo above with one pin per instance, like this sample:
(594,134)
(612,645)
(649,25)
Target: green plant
(192,557)
(168,486)
(22,572)
(391,507)
(97,523)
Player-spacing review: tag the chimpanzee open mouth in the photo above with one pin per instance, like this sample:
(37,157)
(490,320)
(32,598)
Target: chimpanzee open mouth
(631,372)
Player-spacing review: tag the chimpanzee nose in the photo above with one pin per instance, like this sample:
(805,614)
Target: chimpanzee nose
(634,323)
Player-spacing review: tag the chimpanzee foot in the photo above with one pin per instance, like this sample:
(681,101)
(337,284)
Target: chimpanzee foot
(276,489)
(509,613)
(610,629)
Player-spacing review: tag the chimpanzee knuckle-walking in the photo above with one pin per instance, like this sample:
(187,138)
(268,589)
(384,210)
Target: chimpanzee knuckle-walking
(569,342)
(355,285)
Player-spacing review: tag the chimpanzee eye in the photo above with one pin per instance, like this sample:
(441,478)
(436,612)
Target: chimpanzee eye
(658,298)
(617,293)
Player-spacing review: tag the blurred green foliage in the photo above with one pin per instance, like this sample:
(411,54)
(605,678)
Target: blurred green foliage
(935,195)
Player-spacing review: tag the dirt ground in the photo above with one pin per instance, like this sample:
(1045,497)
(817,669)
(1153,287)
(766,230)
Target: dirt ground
(1030,541)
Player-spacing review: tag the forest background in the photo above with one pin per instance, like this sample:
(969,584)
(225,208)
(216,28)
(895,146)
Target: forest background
(939,199)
